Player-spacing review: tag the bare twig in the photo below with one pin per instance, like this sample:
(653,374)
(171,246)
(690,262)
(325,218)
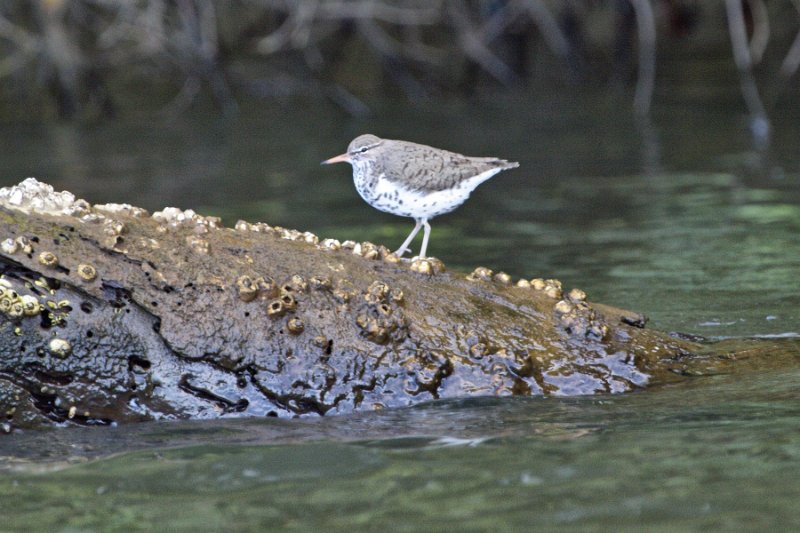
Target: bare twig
(473,46)
(20,37)
(791,62)
(547,25)
(645,23)
(188,42)
(760,37)
(417,13)
(26,47)
(759,123)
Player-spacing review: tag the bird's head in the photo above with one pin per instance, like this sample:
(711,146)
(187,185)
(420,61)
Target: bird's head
(359,148)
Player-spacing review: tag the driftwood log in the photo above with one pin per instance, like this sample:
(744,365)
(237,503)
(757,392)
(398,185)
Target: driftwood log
(111,315)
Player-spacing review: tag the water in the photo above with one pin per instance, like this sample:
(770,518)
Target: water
(682,220)
(709,455)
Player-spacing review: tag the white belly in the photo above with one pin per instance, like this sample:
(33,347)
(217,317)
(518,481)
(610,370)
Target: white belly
(387,196)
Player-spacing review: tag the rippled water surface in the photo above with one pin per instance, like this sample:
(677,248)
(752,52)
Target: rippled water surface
(681,220)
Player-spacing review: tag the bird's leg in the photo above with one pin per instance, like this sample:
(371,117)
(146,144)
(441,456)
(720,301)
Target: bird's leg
(425,238)
(404,247)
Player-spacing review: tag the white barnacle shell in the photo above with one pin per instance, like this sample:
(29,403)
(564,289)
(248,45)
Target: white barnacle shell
(422,266)
(331,244)
(59,347)
(563,307)
(48,259)
(31,195)
(30,305)
(9,246)
(577,295)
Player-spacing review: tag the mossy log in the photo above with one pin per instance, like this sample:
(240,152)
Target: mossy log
(111,315)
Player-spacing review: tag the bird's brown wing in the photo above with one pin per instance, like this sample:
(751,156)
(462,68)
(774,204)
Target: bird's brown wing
(422,169)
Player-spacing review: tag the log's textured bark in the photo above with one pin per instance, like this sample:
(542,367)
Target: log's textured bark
(109,314)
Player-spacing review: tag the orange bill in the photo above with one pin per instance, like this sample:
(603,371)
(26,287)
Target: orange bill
(344,158)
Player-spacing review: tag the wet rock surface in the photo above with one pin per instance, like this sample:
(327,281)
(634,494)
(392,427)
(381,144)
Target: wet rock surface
(108,314)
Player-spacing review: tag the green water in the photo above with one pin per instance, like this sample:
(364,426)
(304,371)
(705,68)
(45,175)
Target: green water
(682,221)
(718,453)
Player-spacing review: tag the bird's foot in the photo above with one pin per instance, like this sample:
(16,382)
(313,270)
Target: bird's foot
(400,251)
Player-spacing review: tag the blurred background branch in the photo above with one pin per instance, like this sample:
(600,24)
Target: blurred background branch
(85,57)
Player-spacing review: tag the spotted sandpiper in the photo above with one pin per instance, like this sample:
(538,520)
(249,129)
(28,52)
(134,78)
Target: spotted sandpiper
(414,180)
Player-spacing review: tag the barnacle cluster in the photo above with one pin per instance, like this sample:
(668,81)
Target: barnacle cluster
(365,249)
(14,305)
(10,304)
(249,288)
(113,230)
(278,231)
(257,227)
(379,315)
(577,318)
(285,301)
(427,265)
(20,244)
(320,283)
(476,344)
(122,209)
(267,288)
(33,195)
(297,283)
(173,217)
(296,235)
(344,291)
(550,287)
(198,244)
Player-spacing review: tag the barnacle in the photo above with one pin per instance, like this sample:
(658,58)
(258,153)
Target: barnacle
(480,274)
(87,272)
(295,326)
(248,289)
(59,347)
(276,308)
(48,259)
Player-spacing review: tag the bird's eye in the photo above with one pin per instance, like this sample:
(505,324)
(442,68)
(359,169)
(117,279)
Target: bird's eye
(363,149)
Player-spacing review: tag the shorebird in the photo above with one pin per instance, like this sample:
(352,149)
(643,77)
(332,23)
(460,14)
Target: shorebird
(414,180)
